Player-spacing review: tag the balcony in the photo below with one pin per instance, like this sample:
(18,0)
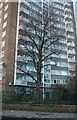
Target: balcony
(70,37)
(71,51)
(23,19)
(72,59)
(68,10)
(72,66)
(21,27)
(24,10)
(20,82)
(67,4)
(72,69)
(19,71)
(22,37)
(71,44)
(68,16)
(69,29)
(19,58)
(68,22)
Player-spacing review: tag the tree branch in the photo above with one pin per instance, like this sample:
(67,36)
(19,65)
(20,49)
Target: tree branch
(31,54)
(36,28)
(27,73)
(28,34)
(45,65)
(44,58)
(50,45)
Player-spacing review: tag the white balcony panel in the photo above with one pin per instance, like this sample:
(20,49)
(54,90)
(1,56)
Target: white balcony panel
(66,9)
(71,44)
(67,3)
(71,51)
(23,19)
(69,16)
(69,29)
(70,36)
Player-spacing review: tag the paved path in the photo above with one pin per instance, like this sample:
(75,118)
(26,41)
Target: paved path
(30,114)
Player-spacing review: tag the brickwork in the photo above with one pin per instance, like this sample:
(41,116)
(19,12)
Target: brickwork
(10,41)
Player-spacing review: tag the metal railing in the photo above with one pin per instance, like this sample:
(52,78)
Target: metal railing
(51,97)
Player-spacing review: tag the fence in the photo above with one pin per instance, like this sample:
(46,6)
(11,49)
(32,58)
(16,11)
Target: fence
(55,96)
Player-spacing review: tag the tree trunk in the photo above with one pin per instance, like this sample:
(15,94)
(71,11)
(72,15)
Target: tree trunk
(39,77)
(38,87)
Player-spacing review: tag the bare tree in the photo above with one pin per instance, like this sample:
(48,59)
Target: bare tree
(72,87)
(39,37)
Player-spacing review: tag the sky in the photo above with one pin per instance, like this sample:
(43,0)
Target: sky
(74,4)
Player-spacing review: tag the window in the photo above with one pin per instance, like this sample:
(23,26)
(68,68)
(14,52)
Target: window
(0,76)
(31,13)
(1,5)
(17,77)
(1,65)
(54,81)
(61,19)
(0,12)
(62,64)
(4,24)
(59,72)
(5,16)
(3,43)
(52,62)
(64,56)
(6,7)
(31,6)
(1,54)
(62,41)
(64,81)
(6,0)
(40,3)
(3,34)
(58,81)
(0,20)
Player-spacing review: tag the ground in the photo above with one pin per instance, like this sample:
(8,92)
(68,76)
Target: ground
(41,115)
